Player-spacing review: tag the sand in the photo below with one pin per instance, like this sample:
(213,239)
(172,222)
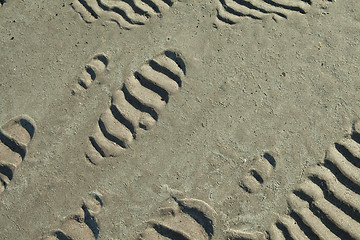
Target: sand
(283,87)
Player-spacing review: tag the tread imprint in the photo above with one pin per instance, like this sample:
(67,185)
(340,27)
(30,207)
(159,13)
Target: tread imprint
(126,14)
(327,204)
(82,225)
(15,136)
(95,67)
(136,105)
(260,172)
(232,11)
(186,219)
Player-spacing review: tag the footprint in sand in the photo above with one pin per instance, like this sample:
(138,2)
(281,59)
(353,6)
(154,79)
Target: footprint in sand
(327,204)
(95,67)
(82,225)
(189,219)
(230,12)
(15,135)
(136,105)
(261,170)
(126,14)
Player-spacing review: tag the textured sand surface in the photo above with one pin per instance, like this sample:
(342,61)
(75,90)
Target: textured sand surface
(261,99)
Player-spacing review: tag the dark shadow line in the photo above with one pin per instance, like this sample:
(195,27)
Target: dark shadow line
(28,127)
(305,228)
(12,144)
(270,159)
(91,72)
(124,15)
(151,86)
(97,198)
(109,136)
(330,197)
(284,230)
(2,181)
(136,9)
(96,146)
(5,170)
(356,137)
(233,12)
(137,104)
(307,1)
(168,2)
(152,5)
(221,18)
(169,233)
(82,84)
(61,236)
(89,9)
(205,222)
(253,7)
(119,11)
(177,59)
(244,187)
(103,59)
(328,223)
(157,67)
(341,177)
(291,8)
(90,221)
(348,155)
(257,176)
(118,116)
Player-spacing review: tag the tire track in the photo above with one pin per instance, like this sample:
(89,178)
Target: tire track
(327,204)
(15,136)
(260,172)
(82,225)
(96,66)
(185,219)
(232,11)
(126,14)
(136,106)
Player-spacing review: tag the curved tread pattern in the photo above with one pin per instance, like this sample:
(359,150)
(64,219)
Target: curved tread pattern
(260,172)
(80,226)
(126,14)
(136,106)
(15,136)
(232,11)
(186,219)
(240,235)
(327,204)
(96,66)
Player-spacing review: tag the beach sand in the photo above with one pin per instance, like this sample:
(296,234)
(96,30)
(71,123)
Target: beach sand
(279,89)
